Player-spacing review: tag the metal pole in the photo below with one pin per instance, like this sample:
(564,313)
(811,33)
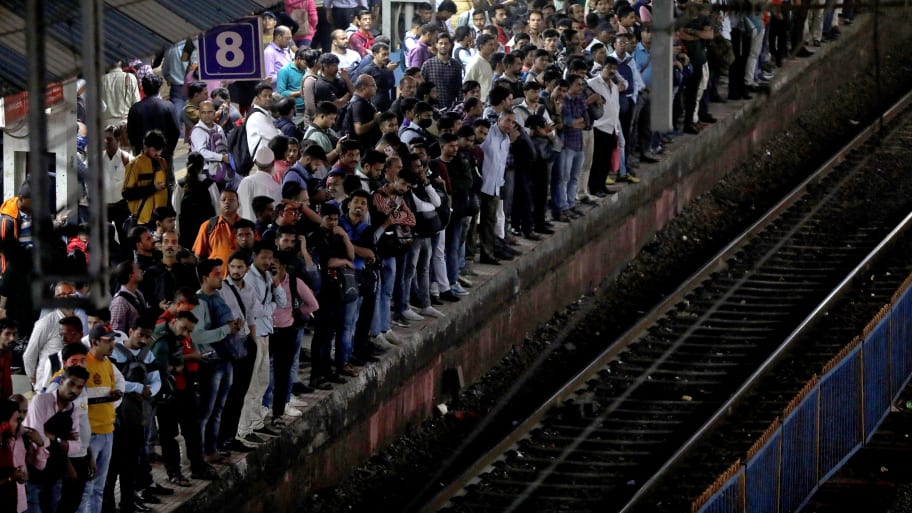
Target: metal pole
(42,225)
(660,57)
(93,67)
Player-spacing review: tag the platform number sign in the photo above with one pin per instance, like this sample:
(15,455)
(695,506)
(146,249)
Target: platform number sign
(233,51)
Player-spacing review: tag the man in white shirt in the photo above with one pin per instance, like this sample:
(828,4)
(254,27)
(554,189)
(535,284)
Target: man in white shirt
(260,129)
(480,69)
(608,84)
(348,58)
(119,91)
(259,183)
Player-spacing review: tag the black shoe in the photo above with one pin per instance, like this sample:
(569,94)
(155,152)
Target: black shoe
(589,201)
(356,361)
(691,129)
(266,431)
(746,96)
(647,159)
(140,507)
(707,118)
(503,256)
(238,446)
(530,235)
(301,388)
(544,230)
(179,480)
(367,358)
(145,497)
(321,385)
(158,489)
(436,300)
(804,52)
(337,379)
(449,296)
(488,260)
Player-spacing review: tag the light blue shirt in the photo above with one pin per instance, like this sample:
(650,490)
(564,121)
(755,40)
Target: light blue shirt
(644,66)
(289,81)
(496,148)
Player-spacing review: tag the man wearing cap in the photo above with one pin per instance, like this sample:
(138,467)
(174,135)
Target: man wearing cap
(105,388)
(259,183)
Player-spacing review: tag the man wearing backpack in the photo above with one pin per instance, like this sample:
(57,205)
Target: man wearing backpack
(259,128)
(128,303)
(136,362)
(361,122)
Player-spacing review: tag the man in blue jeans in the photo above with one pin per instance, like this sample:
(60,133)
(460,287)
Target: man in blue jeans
(216,324)
(574,114)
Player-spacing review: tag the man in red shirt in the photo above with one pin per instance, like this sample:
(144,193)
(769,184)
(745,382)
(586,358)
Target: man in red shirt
(362,39)
(8,334)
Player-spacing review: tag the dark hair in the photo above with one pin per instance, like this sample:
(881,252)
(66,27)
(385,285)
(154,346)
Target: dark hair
(547,33)
(162,213)
(328,59)
(386,116)
(511,58)
(262,86)
(242,223)
(71,350)
(186,294)
(154,139)
(361,13)
(135,234)
(448,6)
(462,32)
(424,89)
(448,137)
(151,84)
(187,316)
(483,39)
(532,86)
(408,104)
(71,321)
(465,131)
(195,88)
(76,371)
(262,245)
(422,107)
(326,109)
(445,35)
(242,254)
(481,122)
(535,121)
(285,106)
(205,267)
(373,157)
(220,92)
(470,103)
(498,95)
(429,28)
(446,123)
(379,47)
(351,183)
(123,271)
(8,324)
(311,57)
(279,145)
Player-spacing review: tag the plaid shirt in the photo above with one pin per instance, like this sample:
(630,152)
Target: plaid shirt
(574,108)
(447,76)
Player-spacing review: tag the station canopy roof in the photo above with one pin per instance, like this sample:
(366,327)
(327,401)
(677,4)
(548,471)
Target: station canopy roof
(132,29)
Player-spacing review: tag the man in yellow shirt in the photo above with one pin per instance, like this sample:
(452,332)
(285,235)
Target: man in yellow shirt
(145,179)
(105,388)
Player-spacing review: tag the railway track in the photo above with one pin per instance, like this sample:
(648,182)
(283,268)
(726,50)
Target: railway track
(632,414)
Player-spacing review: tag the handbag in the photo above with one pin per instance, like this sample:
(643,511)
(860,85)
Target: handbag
(344,283)
(133,219)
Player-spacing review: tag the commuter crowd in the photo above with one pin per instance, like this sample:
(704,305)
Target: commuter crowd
(343,198)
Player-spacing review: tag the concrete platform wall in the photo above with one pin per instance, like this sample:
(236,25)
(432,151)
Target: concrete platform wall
(347,427)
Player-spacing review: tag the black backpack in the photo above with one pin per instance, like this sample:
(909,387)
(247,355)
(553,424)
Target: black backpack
(344,124)
(239,149)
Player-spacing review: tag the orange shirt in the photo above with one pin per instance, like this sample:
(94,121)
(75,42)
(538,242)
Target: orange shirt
(219,242)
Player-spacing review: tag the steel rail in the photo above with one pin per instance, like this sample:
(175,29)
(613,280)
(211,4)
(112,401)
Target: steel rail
(633,334)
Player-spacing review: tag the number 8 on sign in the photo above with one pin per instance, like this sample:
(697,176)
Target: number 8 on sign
(230,54)
(233,51)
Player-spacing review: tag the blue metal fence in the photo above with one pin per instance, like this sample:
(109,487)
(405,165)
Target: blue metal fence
(761,480)
(840,405)
(876,378)
(835,418)
(798,476)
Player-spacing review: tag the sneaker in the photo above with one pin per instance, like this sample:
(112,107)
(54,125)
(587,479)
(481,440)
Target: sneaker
(391,338)
(382,342)
(179,480)
(291,411)
(253,439)
(430,311)
(457,289)
(609,181)
(398,320)
(628,179)
(411,315)
(465,282)
(450,296)
(298,402)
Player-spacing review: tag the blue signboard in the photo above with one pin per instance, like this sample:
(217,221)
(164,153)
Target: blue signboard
(233,51)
